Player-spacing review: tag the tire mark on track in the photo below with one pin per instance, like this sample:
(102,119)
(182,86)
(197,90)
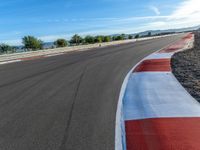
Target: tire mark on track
(92,56)
(62,147)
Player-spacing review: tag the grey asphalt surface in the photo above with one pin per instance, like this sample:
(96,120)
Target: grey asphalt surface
(67,102)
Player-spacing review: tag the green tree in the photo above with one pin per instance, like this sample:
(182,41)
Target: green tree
(137,36)
(123,36)
(113,38)
(98,39)
(106,39)
(149,33)
(89,39)
(130,37)
(76,39)
(61,43)
(6,48)
(118,38)
(32,43)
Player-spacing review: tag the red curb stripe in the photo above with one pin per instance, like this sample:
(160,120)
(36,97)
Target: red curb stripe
(173,48)
(178,45)
(163,134)
(154,65)
(32,58)
(188,37)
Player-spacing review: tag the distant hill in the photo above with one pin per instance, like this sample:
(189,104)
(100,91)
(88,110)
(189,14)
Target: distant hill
(156,32)
(48,45)
(159,32)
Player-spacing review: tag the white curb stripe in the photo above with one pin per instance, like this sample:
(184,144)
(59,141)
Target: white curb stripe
(160,55)
(157,95)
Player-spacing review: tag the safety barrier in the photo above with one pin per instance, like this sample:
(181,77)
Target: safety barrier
(9,58)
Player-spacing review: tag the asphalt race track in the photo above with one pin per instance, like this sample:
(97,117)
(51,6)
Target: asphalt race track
(67,102)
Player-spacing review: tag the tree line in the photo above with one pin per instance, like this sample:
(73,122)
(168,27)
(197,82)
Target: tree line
(31,43)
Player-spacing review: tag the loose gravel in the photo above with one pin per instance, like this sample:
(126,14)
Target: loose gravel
(186,68)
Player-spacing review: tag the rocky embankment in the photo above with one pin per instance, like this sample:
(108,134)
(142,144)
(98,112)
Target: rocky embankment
(186,68)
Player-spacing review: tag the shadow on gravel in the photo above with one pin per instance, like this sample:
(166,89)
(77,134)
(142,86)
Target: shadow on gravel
(186,68)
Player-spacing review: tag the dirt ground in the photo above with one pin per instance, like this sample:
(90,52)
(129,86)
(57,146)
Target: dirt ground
(186,68)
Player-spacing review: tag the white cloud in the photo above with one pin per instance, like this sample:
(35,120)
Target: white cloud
(50,38)
(12,42)
(157,24)
(155,10)
(184,14)
(186,9)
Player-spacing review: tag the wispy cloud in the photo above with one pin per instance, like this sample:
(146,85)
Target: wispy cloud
(12,42)
(49,38)
(155,10)
(184,14)
(187,13)
(187,9)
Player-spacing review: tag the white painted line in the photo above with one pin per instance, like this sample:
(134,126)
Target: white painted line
(120,136)
(51,55)
(8,62)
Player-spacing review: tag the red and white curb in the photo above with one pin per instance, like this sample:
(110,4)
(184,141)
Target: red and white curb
(155,112)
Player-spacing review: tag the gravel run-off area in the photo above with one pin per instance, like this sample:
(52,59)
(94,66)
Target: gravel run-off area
(186,68)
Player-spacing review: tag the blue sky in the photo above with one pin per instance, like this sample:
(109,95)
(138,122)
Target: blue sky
(52,19)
